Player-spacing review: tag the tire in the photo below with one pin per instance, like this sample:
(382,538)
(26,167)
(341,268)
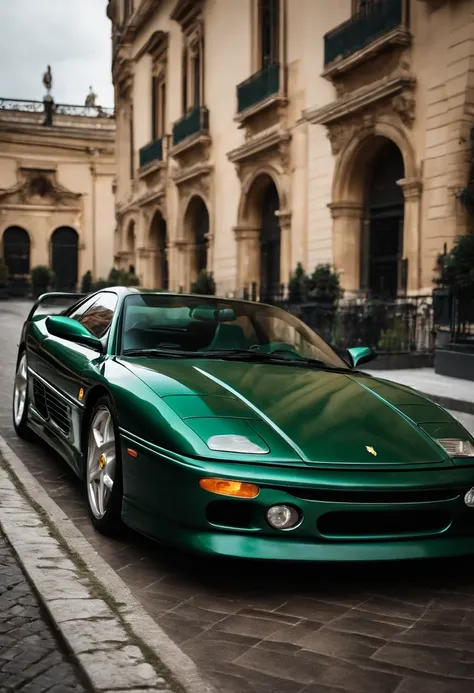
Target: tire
(20,399)
(103,468)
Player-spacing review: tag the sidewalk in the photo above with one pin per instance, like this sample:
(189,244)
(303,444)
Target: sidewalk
(452,393)
(31,658)
(114,646)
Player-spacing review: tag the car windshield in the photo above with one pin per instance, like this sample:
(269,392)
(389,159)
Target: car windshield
(180,325)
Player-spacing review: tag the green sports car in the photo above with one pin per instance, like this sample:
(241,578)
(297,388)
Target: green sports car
(229,428)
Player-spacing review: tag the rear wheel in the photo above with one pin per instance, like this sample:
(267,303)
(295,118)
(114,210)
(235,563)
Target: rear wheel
(104,482)
(20,400)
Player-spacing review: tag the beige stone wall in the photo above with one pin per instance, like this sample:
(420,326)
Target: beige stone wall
(76,159)
(317,140)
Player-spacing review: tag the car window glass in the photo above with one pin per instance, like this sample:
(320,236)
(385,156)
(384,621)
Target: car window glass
(192,323)
(76,314)
(99,316)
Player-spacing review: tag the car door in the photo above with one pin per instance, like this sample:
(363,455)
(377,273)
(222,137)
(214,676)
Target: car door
(60,364)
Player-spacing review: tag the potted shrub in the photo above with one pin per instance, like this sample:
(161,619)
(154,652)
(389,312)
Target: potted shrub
(298,285)
(204,284)
(324,286)
(41,280)
(86,283)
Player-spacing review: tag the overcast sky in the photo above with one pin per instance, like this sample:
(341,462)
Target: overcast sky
(73,36)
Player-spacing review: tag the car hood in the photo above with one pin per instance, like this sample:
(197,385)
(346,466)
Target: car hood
(326,417)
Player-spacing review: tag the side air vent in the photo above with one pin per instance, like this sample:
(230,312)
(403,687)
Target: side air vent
(51,407)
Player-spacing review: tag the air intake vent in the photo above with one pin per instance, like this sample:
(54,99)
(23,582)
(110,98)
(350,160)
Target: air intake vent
(51,407)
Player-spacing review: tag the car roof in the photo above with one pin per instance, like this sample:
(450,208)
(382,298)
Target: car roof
(131,290)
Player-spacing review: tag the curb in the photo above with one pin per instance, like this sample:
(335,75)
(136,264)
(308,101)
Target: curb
(453,404)
(116,644)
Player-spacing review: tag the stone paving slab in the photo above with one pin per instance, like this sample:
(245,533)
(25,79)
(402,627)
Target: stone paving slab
(111,641)
(452,393)
(32,660)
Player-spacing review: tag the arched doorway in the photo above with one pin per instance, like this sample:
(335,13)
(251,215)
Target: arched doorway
(16,255)
(270,244)
(159,243)
(65,258)
(382,237)
(197,231)
(130,247)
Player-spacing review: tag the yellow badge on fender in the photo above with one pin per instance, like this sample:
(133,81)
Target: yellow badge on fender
(80,396)
(370,449)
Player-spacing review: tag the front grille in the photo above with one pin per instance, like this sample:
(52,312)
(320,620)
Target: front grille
(378,496)
(51,407)
(383,524)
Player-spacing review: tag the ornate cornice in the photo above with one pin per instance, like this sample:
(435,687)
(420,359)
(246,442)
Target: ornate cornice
(189,174)
(271,138)
(156,45)
(360,99)
(186,11)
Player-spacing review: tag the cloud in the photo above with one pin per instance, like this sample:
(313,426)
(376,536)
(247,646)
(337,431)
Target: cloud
(73,36)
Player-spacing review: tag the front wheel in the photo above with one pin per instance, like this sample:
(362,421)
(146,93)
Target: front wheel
(20,400)
(104,482)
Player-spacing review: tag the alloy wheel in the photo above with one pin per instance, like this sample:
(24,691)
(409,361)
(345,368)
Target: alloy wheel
(101,462)
(20,391)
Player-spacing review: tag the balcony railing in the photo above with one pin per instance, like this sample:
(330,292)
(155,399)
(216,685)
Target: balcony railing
(26,106)
(258,87)
(195,122)
(151,153)
(374,19)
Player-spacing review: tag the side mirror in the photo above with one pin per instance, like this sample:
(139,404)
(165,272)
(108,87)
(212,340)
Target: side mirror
(73,331)
(360,355)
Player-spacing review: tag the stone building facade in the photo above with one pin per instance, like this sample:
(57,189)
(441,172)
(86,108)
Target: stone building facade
(257,134)
(56,191)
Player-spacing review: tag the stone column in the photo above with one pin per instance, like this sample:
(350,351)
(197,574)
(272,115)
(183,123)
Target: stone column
(286,267)
(141,269)
(248,256)
(346,240)
(412,188)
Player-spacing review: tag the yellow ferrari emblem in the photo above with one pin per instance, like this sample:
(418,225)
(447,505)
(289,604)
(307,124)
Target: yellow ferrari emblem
(370,449)
(81,394)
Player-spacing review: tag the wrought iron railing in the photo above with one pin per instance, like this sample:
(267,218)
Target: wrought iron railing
(258,87)
(195,122)
(151,152)
(373,19)
(26,106)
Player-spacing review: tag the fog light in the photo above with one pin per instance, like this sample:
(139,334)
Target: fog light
(469,498)
(282,517)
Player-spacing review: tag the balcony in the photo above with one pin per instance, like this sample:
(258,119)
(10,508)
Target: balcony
(194,123)
(258,88)
(370,24)
(151,153)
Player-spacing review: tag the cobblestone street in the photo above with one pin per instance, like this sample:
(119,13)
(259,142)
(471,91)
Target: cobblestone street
(260,629)
(31,660)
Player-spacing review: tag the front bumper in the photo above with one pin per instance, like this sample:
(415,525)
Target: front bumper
(346,515)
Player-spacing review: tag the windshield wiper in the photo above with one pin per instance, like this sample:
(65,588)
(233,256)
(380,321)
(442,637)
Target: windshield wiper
(262,357)
(158,353)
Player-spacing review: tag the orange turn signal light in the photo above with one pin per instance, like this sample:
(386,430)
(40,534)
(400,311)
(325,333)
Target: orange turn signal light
(224,487)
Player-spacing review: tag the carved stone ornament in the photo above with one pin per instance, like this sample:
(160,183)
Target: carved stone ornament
(404,104)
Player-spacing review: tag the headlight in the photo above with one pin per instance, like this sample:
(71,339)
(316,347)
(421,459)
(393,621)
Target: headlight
(456,447)
(232,443)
